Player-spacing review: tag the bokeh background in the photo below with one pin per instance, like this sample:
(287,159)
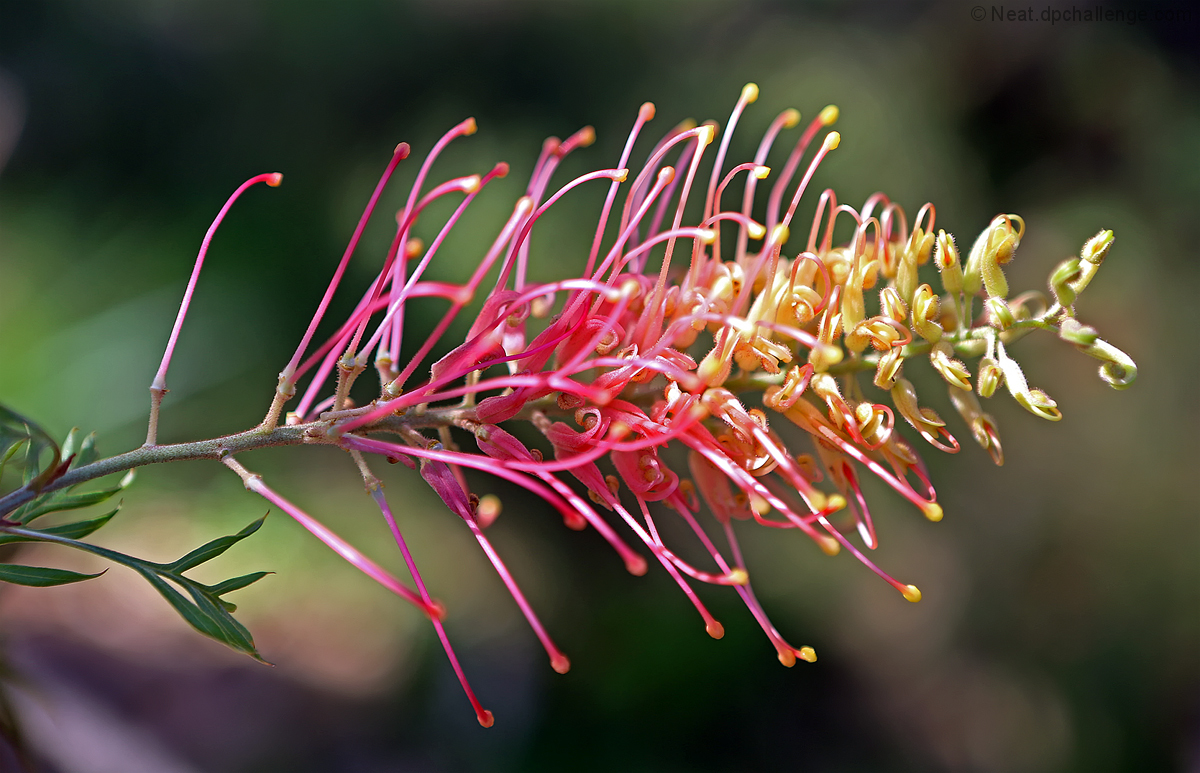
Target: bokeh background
(1059,630)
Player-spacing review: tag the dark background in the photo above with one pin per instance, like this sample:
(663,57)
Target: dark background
(1059,630)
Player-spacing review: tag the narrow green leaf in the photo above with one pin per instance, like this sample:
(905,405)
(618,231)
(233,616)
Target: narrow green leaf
(68,445)
(76,530)
(236,583)
(40,576)
(211,550)
(188,611)
(87,451)
(58,501)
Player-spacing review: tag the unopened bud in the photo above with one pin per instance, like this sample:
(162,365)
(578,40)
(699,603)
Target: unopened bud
(999,314)
(990,377)
(1097,247)
(946,259)
(925,314)
(1075,332)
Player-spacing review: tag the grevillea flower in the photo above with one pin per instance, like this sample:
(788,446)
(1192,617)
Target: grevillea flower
(697,358)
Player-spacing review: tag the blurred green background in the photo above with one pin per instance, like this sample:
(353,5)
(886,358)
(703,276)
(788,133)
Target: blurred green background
(1059,630)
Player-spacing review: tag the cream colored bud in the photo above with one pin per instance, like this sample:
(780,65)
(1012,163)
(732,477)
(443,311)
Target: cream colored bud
(999,314)
(925,314)
(953,371)
(888,369)
(892,305)
(1096,248)
(947,263)
(990,377)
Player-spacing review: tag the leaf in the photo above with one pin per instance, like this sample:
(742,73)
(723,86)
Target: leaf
(16,429)
(40,576)
(236,583)
(60,500)
(211,550)
(75,530)
(205,611)
(87,451)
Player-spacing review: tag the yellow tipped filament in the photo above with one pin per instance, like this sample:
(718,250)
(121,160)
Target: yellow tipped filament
(912,593)
(808,654)
(749,92)
(829,115)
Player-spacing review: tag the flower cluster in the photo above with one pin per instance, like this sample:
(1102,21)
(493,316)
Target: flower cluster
(755,359)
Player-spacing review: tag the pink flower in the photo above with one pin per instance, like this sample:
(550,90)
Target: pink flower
(663,341)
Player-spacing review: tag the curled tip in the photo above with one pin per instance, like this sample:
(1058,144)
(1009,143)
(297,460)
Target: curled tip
(933,511)
(707,132)
(749,92)
(787,658)
(586,135)
(791,117)
(808,654)
(636,565)
(756,231)
(832,140)
(708,235)
(759,505)
(500,170)
(470,127)
(781,234)
(621,175)
(829,115)
(559,663)
(762,172)
(471,184)
(646,111)
(739,576)
(912,593)
(275,179)
(486,718)
(834,503)
(714,629)
(830,546)
(402,150)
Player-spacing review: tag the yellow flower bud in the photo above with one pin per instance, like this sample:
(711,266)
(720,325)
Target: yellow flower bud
(925,314)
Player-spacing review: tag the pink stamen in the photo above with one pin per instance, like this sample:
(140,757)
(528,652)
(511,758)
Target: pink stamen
(466,128)
(289,371)
(785,120)
(645,113)
(790,167)
(159,386)
(485,717)
(337,544)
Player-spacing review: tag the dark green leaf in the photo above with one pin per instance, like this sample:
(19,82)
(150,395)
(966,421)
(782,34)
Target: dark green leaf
(207,612)
(76,530)
(59,500)
(236,583)
(212,549)
(40,576)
